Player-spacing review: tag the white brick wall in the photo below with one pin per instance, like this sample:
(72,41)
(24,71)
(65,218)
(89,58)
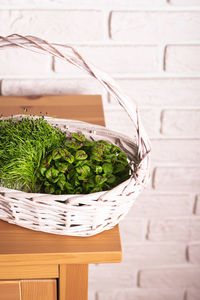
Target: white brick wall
(152,49)
(179,277)
(154,27)
(183,58)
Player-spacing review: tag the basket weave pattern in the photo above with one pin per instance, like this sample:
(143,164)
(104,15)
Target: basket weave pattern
(63,214)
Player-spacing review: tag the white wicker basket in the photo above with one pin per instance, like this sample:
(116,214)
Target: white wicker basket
(100,211)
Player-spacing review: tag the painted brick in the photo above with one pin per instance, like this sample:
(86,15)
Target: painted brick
(22,62)
(183,58)
(185,2)
(194,253)
(175,229)
(159,206)
(197,208)
(118,120)
(154,254)
(50,86)
(91,295)
(162,92)
(177,179)
(193,294)
(181,277)
(143,26)
(56,4)
(116,59)
(142,294)
(108,276)
(54,25)
(176,151)
(181,123)
(132,230)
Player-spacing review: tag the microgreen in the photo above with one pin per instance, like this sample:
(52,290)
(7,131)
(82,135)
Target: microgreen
(38,157)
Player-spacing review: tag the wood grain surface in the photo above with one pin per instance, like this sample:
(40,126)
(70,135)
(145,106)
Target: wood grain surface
(39,289)
(29,271)
(87,108)
(10,290)
(20,246)
(73,283)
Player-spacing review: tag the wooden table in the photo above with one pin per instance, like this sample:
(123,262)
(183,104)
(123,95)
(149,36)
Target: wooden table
(40,266)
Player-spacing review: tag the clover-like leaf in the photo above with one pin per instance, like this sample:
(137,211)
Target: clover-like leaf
(73,144)
(98,169)
(49,189)
(111,178)
(100,179)
(107,168)
(68,186)
(62,167)
(118,168)
(115,149)
(56,154)
(47,183)
(78,136)
(103,145)
(80,155)
(66,155)
(52,173)
(84,171)
(78,190)
(61,184)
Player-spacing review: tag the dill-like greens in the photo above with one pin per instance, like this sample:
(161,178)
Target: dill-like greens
(23,144)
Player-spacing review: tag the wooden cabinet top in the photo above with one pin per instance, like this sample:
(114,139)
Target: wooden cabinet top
(21,246)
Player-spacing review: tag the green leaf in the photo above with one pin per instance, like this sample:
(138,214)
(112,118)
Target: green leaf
(115,149)
(111,178)
(61,184)
(97,151)
(99,179)
(66,155)
(52,173)
(80,155)
(56,154)
(61,176)
(107,168)
(43,170)
(78,190)
(96,158)
(96,189)
(78,136)
(118,168)
(98,169)
(47,183)
(84,171)
(73,144)
(103,145)
(58,192)
(68,186)
(62,167)
(49,189)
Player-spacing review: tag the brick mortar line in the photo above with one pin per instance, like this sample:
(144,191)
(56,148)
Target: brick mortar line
(125,76)
(114,43)
(116,107)
(169,165)
(181,265)
(132,9)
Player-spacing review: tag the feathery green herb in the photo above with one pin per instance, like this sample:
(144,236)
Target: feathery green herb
(23,144)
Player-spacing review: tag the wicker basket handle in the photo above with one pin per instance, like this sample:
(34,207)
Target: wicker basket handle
(35,44)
